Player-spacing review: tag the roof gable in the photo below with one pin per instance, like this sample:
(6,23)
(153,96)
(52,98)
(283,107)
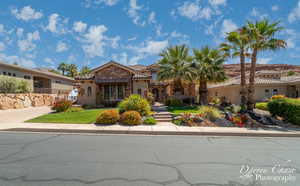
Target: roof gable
(113,63)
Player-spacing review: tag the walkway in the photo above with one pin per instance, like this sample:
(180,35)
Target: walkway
(161,114)
(20,115)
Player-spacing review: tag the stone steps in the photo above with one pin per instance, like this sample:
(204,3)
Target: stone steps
(162,114)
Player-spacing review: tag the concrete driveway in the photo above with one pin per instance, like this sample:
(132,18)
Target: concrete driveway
(21,115)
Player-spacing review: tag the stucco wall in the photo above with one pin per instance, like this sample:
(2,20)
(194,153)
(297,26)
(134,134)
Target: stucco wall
(232,93)
(140,84)
(56,83)
(83,97)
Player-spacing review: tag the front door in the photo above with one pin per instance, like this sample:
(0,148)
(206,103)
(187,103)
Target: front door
(155,93)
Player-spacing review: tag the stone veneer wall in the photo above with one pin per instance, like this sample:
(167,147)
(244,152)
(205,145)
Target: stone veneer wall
(18,101)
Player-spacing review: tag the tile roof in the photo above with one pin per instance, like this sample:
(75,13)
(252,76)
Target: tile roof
(259,81)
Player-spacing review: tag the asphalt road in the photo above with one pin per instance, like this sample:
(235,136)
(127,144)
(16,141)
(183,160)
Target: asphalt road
(113,160)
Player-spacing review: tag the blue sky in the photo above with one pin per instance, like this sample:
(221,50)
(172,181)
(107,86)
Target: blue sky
(38,33)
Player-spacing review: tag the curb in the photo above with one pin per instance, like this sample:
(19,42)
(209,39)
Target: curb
(77,131)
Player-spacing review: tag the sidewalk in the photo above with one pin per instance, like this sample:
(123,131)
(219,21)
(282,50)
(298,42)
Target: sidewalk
(160,129)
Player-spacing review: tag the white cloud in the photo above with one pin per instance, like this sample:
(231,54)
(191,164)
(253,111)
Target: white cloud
(28,43)
(133,13)
(263,60)
(94,41)
(258,14)
(295,13)
(227,26)
(275,8)
(151,18)
(2,46)
(55,24)
(153,47)
(19,32)
(194,11)
(21,61)
(121,58)
(217,2)
(79,26)
(2,29)
(61,47)
(290,43)
(26,13)
(115,41)
(89,3)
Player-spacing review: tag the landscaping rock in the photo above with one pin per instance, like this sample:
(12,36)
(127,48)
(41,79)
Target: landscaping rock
(18,101)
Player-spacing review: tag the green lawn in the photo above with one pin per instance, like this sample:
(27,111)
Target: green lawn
(81,117)
(179,110)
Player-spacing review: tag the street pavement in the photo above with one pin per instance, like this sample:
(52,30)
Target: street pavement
(34,159)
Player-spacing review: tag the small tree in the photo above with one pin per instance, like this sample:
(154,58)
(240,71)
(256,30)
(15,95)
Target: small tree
(63,67)
(13,85)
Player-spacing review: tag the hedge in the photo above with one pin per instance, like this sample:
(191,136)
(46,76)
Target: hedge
(287,108)
(13,85)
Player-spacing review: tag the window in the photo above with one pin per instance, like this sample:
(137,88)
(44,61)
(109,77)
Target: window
(275,91)
(9,74)
(14,74)
(139,91)
(89,91)
(120,92)
(58,82)
(267,93)
(27,77)
(154,75)
(4,73)
(114,92)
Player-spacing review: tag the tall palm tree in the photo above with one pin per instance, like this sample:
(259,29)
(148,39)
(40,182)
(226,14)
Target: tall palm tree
(262,35)
(207,66)
(72,70)
(174,65)
(237,44)
(63,67)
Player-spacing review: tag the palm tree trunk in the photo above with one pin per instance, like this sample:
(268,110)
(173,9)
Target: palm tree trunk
(177,86)
(243,81)
(203,93)
(251,89)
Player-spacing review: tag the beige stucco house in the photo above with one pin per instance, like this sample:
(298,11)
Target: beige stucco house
(267,84)
(40,81)
(112,82)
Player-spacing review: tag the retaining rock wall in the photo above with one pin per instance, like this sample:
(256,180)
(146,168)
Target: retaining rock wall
(18,101)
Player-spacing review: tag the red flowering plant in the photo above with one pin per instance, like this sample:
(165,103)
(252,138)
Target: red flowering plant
(61,105)
(240,120)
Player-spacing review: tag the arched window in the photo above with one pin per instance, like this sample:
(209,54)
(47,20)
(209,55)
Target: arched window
(89,91)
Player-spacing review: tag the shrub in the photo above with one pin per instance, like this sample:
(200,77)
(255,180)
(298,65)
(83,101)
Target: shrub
(74,109)
(61,105)
(262,106)
(108,117)
(150,97)
(277,97)
(210,113)
(13,85)
(131,118)
(135,103)
(86,106)
(233,108)
(287,108)
(173,102)
(215,101)
(150,121)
